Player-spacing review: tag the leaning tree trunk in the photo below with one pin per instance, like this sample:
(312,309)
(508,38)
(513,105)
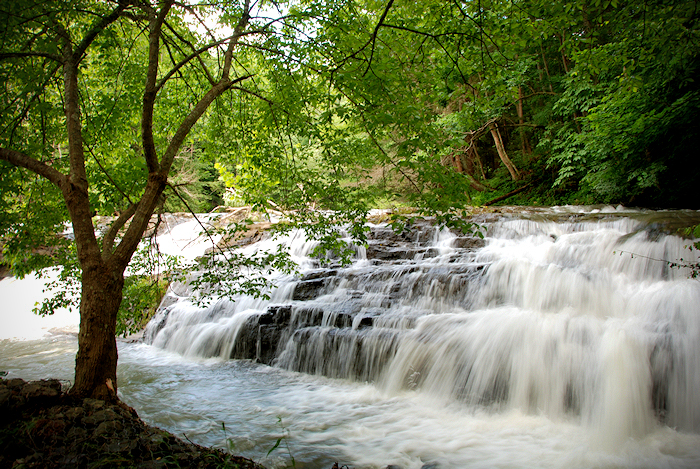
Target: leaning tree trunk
(496,134)
(96,360)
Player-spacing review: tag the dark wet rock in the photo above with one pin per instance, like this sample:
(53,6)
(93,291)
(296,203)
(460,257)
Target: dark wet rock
(5,396)
(343,320)
(260,337)
(309,352)
(107,428)
(386,252)
(77,433)
(44,390)
(93,405)
(468,243)
(99,417)
(159,321)
(366,321)
(14,383)
(308,289)
(74,413)
(40,428)
(317,274)
(278,315)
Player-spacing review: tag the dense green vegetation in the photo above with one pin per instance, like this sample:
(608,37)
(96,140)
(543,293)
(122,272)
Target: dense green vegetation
(591,101)
(126,108)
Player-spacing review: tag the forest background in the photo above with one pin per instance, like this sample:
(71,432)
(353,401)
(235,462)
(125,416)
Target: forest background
(126,108)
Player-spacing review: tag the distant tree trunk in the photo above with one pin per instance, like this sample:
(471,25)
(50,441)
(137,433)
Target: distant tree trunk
(496,134)
(564,58)
(479,163)
(524,142)
(509,194)
(546,69)
(457,162)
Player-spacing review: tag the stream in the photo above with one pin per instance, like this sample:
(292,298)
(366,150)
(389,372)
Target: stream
(563,339)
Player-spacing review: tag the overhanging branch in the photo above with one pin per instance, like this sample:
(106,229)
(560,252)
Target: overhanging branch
(22,55)
(373,38)
(42,169)
(99,26)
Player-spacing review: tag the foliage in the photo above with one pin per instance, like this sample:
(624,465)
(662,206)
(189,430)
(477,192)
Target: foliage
(638,102)
(150,275)
(284,438)
(195,186)
(32,222)
(236,273)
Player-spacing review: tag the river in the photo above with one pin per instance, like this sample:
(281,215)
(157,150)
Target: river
(562,341)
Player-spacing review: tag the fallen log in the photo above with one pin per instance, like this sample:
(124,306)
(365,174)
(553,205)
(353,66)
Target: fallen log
(509,194)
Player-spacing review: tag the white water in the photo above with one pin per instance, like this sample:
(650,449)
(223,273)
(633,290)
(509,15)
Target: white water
(547,360)
(18,298)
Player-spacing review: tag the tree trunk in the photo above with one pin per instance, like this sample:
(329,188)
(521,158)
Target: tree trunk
(502,152)
(546,69)
(479,163)
(96,360)
(524,141)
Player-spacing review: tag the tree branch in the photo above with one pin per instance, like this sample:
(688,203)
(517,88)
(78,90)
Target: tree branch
(224,84)
(22,55)
(194,55)
(191,119)
(373,38)
(42,169)
(508,195)
(111,235)
(191,46)
(98,27)
(386,155)
(237,32)
(158,172)
(254,93)
(215,245)
(150,90)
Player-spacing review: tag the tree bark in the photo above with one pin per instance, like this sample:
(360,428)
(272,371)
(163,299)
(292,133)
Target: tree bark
(496,134)
(96,360)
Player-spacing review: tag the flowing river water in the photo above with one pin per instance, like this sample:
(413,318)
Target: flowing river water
(563,340)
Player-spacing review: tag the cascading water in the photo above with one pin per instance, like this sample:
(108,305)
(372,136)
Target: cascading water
(570,316)
(564,339)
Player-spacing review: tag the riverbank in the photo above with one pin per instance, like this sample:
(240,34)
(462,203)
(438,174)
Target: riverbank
(42,427)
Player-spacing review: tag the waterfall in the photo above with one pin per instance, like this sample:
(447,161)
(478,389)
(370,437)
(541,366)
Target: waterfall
(572,314)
